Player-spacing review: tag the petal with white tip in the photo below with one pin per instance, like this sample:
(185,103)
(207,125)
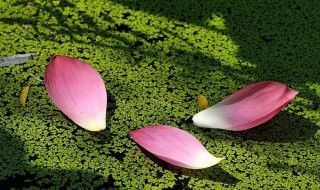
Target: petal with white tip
(78,91)
(174,146)
(247,108)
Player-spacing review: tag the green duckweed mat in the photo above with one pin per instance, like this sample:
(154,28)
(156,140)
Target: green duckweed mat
(155,57)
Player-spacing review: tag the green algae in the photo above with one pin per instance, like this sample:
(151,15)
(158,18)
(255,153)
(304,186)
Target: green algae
(156,57)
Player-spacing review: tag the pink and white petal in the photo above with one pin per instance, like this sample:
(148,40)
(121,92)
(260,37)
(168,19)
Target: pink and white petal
(174,146)
(247,108)
(78,91)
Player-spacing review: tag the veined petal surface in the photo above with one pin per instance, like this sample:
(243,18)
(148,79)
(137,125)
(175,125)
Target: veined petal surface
(78,91)
(174,146)
(247,108)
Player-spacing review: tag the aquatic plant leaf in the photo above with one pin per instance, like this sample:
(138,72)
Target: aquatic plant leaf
(247,108)
(202,102)
(78,91)
(174,146)
(24,95)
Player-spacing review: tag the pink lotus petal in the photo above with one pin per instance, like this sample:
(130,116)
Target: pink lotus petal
(78,90)
(247,108)
(175,146)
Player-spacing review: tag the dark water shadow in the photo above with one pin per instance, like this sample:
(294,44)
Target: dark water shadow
(295,170)
(214,173)
(303,158)
(279,38)
(284,127)
(16,172)
(64,28)
(288,141)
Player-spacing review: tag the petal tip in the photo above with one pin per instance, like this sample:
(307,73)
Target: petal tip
(96,128)
(54,57)
(196,120)
(208,117)
(217,160)
(293,93)
(206,160)
(94,125)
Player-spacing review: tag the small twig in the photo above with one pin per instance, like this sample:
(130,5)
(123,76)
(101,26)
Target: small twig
(35,77)
(16,59)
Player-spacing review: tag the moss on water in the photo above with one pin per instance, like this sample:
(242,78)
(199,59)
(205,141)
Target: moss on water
(156,57)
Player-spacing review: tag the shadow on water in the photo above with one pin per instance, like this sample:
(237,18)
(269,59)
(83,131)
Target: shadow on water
(16,172)
(285,139)
(63,28)
(278,38)
(214,173)
(283,128)
(18,168)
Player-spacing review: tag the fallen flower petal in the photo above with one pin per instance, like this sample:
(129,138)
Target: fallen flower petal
(78,90)
(175,146)
(247,108)
(24,95)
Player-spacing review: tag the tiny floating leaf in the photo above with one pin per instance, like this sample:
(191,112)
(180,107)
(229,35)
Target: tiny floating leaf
(174,146)
(24,95)
(202,102)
